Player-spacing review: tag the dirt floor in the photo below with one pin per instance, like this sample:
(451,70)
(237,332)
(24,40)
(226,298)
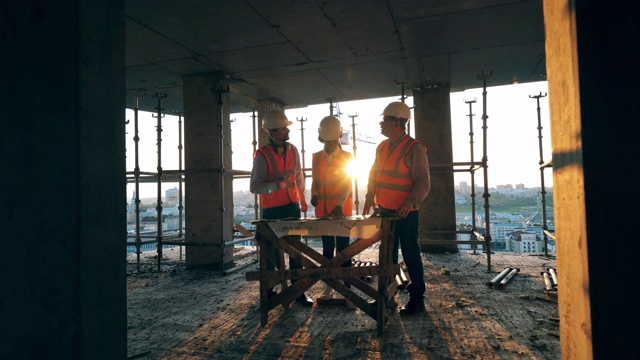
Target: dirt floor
(177,313)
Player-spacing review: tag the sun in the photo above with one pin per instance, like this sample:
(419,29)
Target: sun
(358,169)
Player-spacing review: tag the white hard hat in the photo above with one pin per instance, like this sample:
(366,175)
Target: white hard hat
(398,110)
(330,129)
(275,119)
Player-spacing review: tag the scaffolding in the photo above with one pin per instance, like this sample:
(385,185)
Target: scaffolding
(176,236)
(171,237)
(546,232)
(356,200)
(476,237)
(136,176)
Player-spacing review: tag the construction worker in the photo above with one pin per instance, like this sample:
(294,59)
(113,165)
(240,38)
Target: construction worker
(331,189)
(399,181)
(277,176)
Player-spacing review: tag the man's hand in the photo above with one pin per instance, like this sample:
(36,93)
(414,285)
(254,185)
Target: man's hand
(403,211)
(304,206)
(287,180)
(314,200)
(368,204)
(337,212)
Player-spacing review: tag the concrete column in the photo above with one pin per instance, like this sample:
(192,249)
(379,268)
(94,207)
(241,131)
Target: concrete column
(63,186)
(591,54)
(208,190)
(433,128)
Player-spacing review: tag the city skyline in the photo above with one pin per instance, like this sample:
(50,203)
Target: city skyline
(174,201)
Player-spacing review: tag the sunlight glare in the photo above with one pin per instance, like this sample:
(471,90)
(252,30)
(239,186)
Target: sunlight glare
(357,169)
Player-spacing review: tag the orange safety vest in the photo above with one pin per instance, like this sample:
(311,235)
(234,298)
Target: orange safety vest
(277,166)
(393,176)
(334,181)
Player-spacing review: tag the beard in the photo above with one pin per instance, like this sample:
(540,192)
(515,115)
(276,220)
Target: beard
(285,138)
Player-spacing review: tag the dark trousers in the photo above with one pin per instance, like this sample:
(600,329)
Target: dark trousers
(407,239)
(329,245)
(279,213)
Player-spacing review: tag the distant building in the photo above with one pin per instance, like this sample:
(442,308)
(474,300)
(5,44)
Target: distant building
(172,196)
(464,188)
(500,234)
(525,242)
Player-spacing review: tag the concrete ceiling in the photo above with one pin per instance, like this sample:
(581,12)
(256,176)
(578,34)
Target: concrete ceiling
(304,52)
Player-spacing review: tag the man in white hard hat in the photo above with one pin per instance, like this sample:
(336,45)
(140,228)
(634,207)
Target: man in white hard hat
(399,181)
(331,189)
(277,177)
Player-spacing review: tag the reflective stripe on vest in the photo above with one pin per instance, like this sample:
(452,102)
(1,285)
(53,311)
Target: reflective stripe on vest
(393,176)
(277,166)
(334,180)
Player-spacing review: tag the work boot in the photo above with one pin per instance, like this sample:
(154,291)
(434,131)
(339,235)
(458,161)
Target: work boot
(304,300)
(327,293)
(415,305)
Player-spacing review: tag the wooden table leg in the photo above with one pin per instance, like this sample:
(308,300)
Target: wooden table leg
(264,289)
(386,245)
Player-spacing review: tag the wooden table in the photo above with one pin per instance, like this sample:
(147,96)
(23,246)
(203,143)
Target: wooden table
(316,267)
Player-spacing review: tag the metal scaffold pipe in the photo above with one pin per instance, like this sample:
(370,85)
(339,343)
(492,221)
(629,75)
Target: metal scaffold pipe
(508,278)
(498,278)
(485,195)
(136,171)
(472,171)
(302,152)
(159,115)
(554,276)
(221,169)
(180,207)
(402,98)
(255,144)
(542,166)
(331,107)
(355,178)
(547,281)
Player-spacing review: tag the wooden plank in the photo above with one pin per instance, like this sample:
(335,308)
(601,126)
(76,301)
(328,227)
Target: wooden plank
(320,273)
(264,288)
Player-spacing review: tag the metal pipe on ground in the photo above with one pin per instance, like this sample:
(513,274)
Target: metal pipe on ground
(508,278)
(399,283)
(554,276)
(369,278)
(498,278)
(403,276)
(358,263)
(547,281)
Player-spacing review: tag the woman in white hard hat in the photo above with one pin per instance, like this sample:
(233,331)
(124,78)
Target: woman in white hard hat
(277,177)
(331,189)
(399,181)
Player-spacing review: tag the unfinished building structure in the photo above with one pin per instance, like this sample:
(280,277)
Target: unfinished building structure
(72,68)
